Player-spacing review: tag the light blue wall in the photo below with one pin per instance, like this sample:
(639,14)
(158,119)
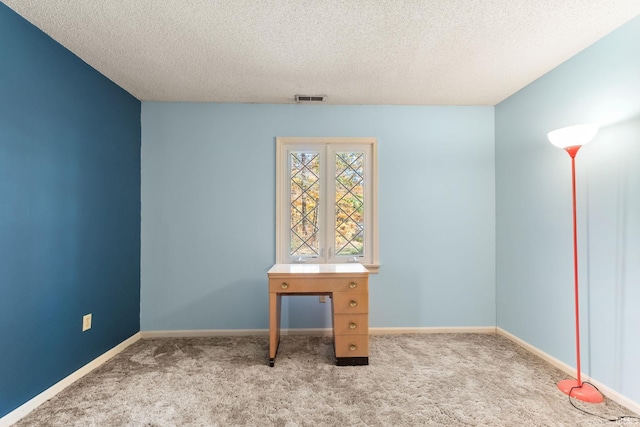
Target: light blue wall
(533,212)
(69,212)
(208,213)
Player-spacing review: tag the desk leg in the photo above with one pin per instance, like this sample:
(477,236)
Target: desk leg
(275,302)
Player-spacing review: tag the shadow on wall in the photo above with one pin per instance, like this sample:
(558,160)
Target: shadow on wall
(612,252)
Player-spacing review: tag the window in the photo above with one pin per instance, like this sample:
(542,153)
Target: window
(326,201)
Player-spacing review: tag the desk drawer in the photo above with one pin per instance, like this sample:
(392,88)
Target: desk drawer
(318,284)
(352,345)
(351,324)
(350,302)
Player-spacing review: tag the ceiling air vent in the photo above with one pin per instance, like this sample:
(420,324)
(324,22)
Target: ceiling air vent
(310,98)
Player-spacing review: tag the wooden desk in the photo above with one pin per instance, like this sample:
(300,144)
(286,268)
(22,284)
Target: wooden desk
(348,287)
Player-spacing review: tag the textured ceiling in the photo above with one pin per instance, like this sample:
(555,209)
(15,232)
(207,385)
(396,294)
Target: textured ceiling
(430,52)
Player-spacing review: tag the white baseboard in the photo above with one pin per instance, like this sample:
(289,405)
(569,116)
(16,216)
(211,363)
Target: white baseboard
(307,331)
(24,409)
(312,332)
(434,330)
(195,333)
(570,370)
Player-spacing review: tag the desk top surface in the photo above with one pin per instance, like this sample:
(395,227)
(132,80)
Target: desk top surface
(349,268)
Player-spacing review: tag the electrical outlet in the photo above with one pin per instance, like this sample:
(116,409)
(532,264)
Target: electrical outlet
(323,298)
(86,322)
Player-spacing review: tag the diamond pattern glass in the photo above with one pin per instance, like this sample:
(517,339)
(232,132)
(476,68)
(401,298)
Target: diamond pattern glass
(305,199)
(349,231)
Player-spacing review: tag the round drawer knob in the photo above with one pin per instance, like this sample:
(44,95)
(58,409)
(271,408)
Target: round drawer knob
(353,347)
(353,325)
(353,303)
(285,285)
(353,285)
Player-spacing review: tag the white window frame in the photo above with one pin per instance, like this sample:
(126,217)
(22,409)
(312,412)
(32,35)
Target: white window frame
(327,147)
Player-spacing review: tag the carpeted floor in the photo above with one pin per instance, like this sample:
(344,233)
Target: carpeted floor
(412,380)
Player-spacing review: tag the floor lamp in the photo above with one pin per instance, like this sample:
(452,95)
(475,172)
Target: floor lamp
(571,139)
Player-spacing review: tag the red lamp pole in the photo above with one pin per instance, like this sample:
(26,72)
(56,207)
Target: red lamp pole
(576,388)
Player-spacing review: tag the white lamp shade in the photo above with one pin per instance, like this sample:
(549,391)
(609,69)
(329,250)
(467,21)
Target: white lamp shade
(573,135)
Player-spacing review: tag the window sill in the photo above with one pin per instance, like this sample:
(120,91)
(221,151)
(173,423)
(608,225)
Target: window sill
(373,268)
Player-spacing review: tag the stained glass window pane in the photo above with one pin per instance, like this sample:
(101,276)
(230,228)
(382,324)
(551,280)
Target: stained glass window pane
(349,227)
(305,199)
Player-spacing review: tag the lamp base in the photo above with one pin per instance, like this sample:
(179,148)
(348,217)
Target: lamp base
(585,392)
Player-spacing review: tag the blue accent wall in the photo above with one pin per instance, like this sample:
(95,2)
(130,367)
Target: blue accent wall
(208,213)
(69,212)
(534,214)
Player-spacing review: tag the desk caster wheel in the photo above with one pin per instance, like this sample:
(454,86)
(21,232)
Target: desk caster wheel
(272,362)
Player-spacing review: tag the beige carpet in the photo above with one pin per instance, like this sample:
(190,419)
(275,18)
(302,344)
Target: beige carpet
(412,380)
